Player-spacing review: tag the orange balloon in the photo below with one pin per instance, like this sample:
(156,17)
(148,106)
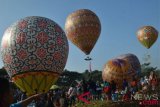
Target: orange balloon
(83,29)
(117,70)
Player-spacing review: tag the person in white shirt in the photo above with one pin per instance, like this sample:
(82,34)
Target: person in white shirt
(72,93)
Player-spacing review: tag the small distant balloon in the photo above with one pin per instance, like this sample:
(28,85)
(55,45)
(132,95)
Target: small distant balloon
(147,36)
(83,29)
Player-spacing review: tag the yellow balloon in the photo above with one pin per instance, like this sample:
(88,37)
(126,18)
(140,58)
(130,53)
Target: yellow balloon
(35,82)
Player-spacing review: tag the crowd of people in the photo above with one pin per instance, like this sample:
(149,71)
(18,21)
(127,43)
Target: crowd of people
(115,92)
(69,96)
(146,84)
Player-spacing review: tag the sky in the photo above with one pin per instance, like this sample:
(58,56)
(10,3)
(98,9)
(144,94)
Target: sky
(120,20)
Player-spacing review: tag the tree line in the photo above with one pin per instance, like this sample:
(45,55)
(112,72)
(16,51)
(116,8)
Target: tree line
(70,77)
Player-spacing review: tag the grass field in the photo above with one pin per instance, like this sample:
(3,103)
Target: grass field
(108,104)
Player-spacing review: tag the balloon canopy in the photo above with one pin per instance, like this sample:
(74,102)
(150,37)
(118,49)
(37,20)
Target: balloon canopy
(120,68)
(83,29)
(147,36)
(133,60)
(34,52)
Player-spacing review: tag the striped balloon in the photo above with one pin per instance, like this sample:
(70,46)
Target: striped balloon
(117,70)
(125,66)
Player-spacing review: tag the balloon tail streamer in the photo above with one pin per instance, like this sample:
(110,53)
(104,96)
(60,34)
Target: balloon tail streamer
(148,57)
(90,66)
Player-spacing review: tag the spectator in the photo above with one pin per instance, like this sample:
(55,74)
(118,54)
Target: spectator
(153,82)
(79,87)
(98,90)
(107,90)
(134,86)
(92,88)
(142,81)
(113,86)
(42,101)
(151,76)
(63,100)
(84,86)
(125,84)
(115,95)
(6,96)
(72,93)
(23,96)
(146,80)
(49,102)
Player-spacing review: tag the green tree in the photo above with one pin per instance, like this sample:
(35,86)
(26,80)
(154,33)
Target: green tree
(3,72)
(68,77)
(146,68)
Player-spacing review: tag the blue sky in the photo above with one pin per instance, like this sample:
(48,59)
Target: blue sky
(120,20)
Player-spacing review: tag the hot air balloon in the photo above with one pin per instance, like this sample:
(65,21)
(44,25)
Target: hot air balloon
(34,51)
(147,36)
(133,60)
(83,29)
(117,70)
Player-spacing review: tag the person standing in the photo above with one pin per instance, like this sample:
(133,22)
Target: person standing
(113,86)
(113,90)
(72,93)
(125,84)
(6,96)
(154,82)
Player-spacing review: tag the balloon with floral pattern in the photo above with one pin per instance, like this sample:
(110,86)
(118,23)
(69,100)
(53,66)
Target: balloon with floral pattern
(34,51)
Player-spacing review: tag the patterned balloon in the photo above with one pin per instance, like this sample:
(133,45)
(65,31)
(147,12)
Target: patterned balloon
(117,70)
(133,60)
(34,52)
(83,29)
(147,36)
